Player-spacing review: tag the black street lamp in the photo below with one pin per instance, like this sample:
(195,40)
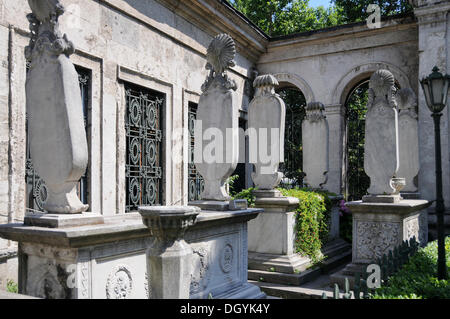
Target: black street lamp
(435,88)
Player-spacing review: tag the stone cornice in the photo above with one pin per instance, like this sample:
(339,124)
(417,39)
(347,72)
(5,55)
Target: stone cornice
(338,40)
(432,13)
(342,32)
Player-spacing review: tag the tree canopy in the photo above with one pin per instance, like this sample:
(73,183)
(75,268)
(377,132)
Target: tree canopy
(355,10)
(281,17)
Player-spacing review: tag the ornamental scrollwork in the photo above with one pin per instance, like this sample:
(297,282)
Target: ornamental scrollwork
(374,239)
(120,283)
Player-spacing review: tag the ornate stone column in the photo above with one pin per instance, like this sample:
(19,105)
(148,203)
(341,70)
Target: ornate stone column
(315,146)
(271,234)
(335,115)
(381,156)
(266,120)
(58,143)
(169,257)
(217,123)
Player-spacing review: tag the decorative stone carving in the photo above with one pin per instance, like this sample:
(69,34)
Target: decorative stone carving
(201,275)
(266,121)
(218,112)
(169,258)
(315,134)
(226,258)
(412,228)
(376,239)
(120,283)
(148,292)
(381,135)
(58,143)
(84,281)
(423,228)
(408,138)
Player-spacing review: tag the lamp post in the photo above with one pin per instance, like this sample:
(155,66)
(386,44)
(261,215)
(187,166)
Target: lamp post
(435,88)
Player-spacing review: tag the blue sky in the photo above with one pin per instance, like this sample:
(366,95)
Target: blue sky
(316,3)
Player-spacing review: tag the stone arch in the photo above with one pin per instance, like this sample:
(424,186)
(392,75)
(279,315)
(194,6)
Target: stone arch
(359,73)
(288,78)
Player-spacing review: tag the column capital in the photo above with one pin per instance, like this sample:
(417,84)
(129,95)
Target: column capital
(431,11)
(335,109)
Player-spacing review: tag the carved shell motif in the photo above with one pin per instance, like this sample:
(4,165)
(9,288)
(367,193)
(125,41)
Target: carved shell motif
(382,87)
(220,56)
(265,84)
(221,53)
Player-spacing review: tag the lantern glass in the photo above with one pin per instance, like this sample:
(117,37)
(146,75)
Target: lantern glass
(427,92)
(437,87)
(445,90)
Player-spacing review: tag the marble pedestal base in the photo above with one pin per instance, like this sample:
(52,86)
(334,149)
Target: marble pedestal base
(379,228)
(271,235)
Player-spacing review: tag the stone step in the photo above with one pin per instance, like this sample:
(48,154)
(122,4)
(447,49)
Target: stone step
(335,248)
(285,279)
(330,264)
(292,292)
(276,263)
(338,253)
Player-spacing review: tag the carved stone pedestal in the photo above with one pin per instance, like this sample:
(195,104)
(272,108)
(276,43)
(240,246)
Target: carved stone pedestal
(379,228)
(169,258)
(272,234)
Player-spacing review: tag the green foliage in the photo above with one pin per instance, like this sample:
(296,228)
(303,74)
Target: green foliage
(311,221)
(293,149)
(231,183)
(12,287)
(357,180)
(312,218)
(418,278)
(281,17)
(356,10)
(246,194)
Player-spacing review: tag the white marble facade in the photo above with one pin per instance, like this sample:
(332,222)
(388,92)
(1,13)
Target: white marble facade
(161,47)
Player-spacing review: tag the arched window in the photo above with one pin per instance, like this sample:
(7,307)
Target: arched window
(357,182)
(293,151)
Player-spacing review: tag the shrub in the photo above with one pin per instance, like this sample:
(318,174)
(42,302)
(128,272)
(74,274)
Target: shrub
(246,194)
(417,279)
(11,287)
(312,218)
